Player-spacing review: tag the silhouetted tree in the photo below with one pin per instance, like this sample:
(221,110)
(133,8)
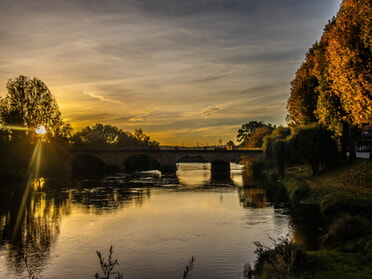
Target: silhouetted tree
(100,135)
(230,145)
(143,140)
(29,104)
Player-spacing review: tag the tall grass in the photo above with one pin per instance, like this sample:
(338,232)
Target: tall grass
(188,268)
(107,266)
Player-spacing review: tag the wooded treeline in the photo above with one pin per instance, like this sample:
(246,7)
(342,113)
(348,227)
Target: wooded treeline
(333,85)
(330,104)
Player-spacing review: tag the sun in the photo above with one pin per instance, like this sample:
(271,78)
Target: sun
(41,130)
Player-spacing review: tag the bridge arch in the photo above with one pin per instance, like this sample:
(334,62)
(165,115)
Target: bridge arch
(141,162)
(88,165)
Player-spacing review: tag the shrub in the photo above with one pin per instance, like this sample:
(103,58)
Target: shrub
(297,189)
(345,227)
(285,260)
(314,145)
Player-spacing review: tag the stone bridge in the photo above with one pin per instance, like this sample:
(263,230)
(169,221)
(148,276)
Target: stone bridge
(165,159)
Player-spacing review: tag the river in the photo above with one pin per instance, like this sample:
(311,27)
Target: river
(155,222)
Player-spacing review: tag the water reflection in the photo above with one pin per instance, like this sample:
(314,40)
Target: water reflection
(152,217)
(30,225)
(253,197)
(237,178)
(38,183)
(98,200)
(194,174)
(38,229)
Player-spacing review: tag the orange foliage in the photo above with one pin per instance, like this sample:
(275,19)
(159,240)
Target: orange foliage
(334,84)
(350,60)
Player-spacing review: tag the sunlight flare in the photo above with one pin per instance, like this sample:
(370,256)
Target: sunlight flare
(16,128)
(33,170)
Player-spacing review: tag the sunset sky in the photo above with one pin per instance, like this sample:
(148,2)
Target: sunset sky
(185,71)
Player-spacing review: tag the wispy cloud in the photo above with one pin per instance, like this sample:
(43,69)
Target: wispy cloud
(215,108)
(101,97)
(179,69)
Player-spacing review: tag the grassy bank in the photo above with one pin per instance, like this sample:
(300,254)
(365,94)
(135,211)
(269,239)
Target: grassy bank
(344,196)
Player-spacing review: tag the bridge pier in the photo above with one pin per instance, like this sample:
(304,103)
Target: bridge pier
(220,171)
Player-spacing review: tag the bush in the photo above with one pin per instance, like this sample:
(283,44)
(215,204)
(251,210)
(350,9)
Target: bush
(285,260)
(297,189)
(313,145)
(346,227)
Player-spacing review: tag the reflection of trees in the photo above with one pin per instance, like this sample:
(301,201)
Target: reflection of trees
(252,197)
(30,225)
(104,199)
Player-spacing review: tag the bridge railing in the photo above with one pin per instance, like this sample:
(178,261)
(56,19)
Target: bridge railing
(156,150)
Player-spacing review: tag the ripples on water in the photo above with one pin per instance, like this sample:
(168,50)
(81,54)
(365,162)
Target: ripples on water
(155,222)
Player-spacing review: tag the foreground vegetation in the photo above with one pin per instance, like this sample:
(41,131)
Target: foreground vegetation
(344,197)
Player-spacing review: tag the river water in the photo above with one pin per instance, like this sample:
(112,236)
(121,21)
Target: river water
(155,223)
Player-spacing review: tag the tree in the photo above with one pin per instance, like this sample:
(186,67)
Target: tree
(247,129)
(349,53)
(315,145)
(304,90)
(350,60)
(312,144)
(230,145)
(270,142)
(143,140)
(29,104)
(256,139)
(101,135)
(336,76)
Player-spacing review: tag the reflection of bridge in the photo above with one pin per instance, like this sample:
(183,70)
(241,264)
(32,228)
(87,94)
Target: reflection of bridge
(165,158)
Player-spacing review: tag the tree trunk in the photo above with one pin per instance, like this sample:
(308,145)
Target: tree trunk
(370,145)
(352,151)
(344,140)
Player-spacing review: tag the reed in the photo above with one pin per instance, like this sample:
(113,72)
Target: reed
(107,266)
(189,267)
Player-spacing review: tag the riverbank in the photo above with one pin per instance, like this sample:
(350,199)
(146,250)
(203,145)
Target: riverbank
(344,197)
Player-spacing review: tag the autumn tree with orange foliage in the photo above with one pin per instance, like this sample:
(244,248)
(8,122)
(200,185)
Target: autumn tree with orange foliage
(350,60)
(257,137)
(333,85)
(304,91)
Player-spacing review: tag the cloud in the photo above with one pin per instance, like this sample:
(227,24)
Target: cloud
(210,78)
(212,109)
(143,115)
(101,97)
(174,67)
